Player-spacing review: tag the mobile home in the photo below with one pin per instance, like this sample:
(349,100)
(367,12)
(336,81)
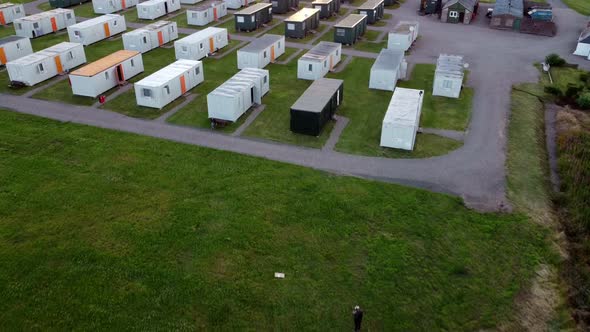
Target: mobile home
(112,6)
(318,61)
(152,9)
(301,23)
(373,9)
(316,106)
(327,8)
(96,29)
(65,3)
(403,35)
(402,119)
(448,76)
(583,46)
(233,98)
(43,65)
(205,14)
(348,30)
(150,36)
(253,17)
(14,47)
(261,51)
(164,86)
(10,12)
(44,23)
(389,67)
(459,11)
(106,73)
(284,6)
(237,4)
(200,44)
(507,14)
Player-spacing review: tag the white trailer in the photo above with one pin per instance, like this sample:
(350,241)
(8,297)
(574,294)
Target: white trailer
(402,120)
(106,73)
(97,29)
(200,44)
(319,60)
(152,9)
(112,6)
(44,23)
(10,12)
(583,46)
(389,67)
(164,86)
(150,36)
(448,76)
(14,47)
(234,97)
(237,4)
(403,35)
(205,14)
(43,65)
(261,51)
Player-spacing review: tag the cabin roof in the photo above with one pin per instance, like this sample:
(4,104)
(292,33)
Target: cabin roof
(350,21)
(168,73)
(302,15)
(253,9)
(315,98)
(105,63)
(261,43)
(319,52)
(94,21)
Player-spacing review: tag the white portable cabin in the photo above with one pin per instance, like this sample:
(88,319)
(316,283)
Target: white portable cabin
(261,51)
(96,29)
(150,36)
(10,12)
(14,47)
(583,47)
(164,86)
(112,6)
(44,23)
(205,14)
(152,9)
(234,97)
(189,2)
(237,4)
(200,44)
(389,67)
(45,64)
(403,35)
(402,119)
(319,60)
(448,77)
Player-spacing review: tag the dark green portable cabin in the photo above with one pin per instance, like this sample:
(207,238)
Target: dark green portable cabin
(327,7)
(316,106)
(348,30)
(283,6)
(65,3)
(373,9)
(253,17)
(301,23)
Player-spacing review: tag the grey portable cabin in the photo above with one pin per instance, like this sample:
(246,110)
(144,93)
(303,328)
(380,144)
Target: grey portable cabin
(373,9)
(316,106)
(507,14)
(253,17)
(327,8)
(65,3)
(348,30)
(283,6)
(301,23)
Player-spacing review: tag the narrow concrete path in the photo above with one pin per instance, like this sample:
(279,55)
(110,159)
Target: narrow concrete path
(291,57)
(45,86)
(452,134)
(176,108)
(342,65)
(341,123)
(121,90)
(253,115)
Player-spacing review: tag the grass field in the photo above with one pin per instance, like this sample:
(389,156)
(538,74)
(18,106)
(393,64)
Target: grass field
(367,43)
(280,30)
(581,6)
(102,230)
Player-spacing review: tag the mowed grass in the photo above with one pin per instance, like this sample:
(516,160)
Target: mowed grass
(230,25)
(581,6)
(364,43)
(280,30)
(6,30)
(103,230)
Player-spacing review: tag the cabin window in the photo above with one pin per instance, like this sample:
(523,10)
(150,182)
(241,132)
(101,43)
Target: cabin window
(35,25)
(265,79)
(219,37)
(70,56)
(172,1)
(240,19)
(194,14)
(115,22)
(146,93)
(40,68)
(275,3)
(106,75)
(205,14)
(222,6)
(310,67)
(77,34)
(447,84)
(264,55)
(270,10)
(17,10)
(132,63)
(184,49)
(144,9)
(279,44)
(337,52)
(201,46)
(69,16)
(453,14)
(144,39)
(253,18)
(19,26)
(171,28)
(167,88)
(290,26)
(340,32)
(18,46)
(197,71)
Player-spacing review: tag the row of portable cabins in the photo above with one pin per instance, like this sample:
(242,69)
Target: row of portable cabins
(10,12)
(389,67)
(152,9)
(316,106)
(374,9)
(283,6)
(328,8)
(205,14)
(253,17)
(44,23)
(318,61)
(112,6)
(261,51)
(201,43)
(301,23)
(65,3)
(350,29)
(402,119)
(14,47)
(150,36)
(96,29)
(403,35)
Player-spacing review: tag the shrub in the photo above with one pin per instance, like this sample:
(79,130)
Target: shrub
(554,60)
(554,90)
(585,77)
(583,100)
(573,90)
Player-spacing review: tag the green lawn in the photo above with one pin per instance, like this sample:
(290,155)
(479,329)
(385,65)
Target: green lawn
(367,43)
(6,30)
(280,30)
(182,21)
(581,6)
(126,104)
(49,40)
(103,230)
(230,25)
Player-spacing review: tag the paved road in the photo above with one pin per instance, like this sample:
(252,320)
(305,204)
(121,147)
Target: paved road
(475,172)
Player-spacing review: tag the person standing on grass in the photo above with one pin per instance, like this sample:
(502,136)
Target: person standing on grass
(357,315)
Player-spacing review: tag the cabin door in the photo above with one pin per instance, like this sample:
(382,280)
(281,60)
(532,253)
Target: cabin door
(252,94)
(331,62)
(123,4)
(120,73)
(2,56)
(461,17)
(58,65)
(165,7)
(182,84)
(107,30)
(211,45)
(2,19)
(272,53)
(160,38)
(53,24)
(215,14)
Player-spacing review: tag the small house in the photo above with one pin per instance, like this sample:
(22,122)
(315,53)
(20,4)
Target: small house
(201,43)
(14,47)
(583,48)
(237,4)
(428,7)
(44,23)
(328,8)
(106,73)
(164,86)
(374,9)
(389,67)
(152,9)
(507,15)
(402,119)
(318,61)
(112,6)
(403,35)
(207,13)
(350,29)
(96,29)
(301,23)
(10,12)
(261,51)
(459,11)
(150,36)
(43,65)
(284,6)
(229,101)
(65,3)
(253,17)
(316,106)
(448,76)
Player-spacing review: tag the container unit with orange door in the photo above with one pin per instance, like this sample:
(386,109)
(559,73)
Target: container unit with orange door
(164,86)
(200,44)
(112,6)
(261,51)
(96,29)
(43,65)
(44,23)
(150,36)
(152,9)
(205,14)
(10,12)
(14,47)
